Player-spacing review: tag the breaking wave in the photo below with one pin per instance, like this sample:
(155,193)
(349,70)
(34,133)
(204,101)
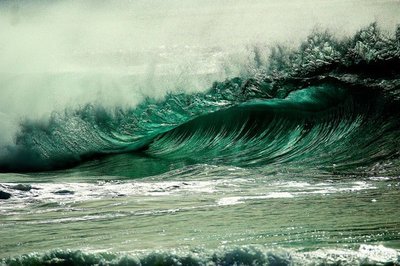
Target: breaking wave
(330,104)
(247,255)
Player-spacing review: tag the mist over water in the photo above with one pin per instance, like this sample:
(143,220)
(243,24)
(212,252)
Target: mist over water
(41,42)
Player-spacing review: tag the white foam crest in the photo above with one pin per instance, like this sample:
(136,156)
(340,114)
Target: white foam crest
(365,255)
(66,193)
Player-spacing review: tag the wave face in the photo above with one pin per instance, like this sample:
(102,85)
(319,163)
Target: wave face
(331,105)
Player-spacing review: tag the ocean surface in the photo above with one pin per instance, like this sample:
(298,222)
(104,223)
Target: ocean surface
(181,145)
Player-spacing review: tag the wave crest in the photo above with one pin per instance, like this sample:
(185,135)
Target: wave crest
(316,96)
(246,255)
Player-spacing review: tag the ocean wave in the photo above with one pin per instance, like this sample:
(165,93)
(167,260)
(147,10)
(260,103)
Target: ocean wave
(331,104)
(246,255)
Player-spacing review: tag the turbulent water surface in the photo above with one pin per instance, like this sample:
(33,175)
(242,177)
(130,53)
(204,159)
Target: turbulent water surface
(204,154)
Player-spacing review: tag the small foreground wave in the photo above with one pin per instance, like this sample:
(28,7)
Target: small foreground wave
(245,255)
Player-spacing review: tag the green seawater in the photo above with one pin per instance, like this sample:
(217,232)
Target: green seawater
(204,209)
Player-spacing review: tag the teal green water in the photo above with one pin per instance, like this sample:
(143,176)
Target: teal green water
(206,209)
(296,165)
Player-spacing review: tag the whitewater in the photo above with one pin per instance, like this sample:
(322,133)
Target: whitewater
(199,132)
